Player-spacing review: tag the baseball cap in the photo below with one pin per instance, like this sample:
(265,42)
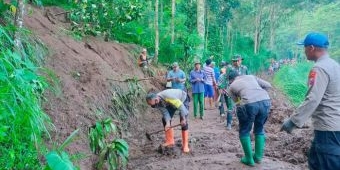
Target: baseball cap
(315,39)
(150,96)
(175,64)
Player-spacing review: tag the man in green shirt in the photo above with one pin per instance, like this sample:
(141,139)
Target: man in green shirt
(238,67)
(223,85)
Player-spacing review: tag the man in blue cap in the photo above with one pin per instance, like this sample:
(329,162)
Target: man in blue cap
(322,104)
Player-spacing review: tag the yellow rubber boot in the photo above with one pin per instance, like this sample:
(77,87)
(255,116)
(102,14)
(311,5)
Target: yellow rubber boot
(185,141)
(169,138)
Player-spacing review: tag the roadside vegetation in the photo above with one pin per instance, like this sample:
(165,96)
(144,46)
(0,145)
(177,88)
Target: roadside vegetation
(292,80)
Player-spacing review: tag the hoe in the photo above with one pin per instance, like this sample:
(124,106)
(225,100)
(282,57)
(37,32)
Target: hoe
(148,135)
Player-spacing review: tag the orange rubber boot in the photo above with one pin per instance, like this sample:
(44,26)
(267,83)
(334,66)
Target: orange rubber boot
(169,138)
(185,141)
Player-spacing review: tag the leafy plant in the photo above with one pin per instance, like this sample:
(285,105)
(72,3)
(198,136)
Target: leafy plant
(112,152)
(127,100)
(93,17)
(59,159)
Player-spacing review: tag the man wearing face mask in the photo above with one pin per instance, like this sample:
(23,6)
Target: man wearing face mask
(322,104)
(168,101)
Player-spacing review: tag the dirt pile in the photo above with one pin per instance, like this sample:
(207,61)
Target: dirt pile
(289,148)
(85,70)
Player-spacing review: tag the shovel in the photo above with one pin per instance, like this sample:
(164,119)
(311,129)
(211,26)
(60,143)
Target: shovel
(148,135)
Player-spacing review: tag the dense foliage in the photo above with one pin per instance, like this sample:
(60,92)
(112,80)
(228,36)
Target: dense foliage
(23,122)
(93,17)
(258,30)
(314,18)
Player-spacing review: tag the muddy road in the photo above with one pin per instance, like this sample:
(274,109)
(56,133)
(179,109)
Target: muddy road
(213,147)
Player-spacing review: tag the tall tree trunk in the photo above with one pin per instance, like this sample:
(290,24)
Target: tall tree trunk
(200,26)
(173,11)
(228,37)
(258,22)
(156,32)
(273,21)
(161,13)
(232,38)
(299,32)
(19,22)
(150,19)
(206,27)
(222,42)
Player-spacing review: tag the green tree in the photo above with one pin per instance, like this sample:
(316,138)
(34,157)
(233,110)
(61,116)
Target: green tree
(201,26)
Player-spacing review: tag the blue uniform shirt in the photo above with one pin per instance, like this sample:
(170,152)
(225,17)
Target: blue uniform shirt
(197,86)
(178,74)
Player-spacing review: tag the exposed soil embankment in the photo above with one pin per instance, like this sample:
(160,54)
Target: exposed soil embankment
(85,70)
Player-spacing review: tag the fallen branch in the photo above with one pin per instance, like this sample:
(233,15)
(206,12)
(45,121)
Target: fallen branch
(61,13)
(50,16)
(132,79)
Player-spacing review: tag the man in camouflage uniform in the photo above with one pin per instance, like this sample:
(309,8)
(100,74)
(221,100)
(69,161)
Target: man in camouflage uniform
(223,86)
(322,104)
(241,70)
(238,67)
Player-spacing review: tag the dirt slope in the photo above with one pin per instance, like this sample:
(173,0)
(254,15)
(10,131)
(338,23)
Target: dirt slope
(84,68)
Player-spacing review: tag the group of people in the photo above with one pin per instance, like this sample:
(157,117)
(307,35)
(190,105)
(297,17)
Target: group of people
(249,96)
(275,65)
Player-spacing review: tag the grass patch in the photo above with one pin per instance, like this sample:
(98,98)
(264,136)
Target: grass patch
(292,80)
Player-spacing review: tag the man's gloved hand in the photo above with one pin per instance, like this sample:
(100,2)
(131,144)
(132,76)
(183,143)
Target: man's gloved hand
(288,126)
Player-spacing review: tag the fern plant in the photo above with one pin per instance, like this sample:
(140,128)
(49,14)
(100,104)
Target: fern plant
(113,152)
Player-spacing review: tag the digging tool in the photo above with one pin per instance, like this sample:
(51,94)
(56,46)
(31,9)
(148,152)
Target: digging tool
(218,102)
(148,135)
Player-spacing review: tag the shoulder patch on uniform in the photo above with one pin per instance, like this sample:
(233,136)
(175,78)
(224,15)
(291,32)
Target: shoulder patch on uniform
(312,78)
